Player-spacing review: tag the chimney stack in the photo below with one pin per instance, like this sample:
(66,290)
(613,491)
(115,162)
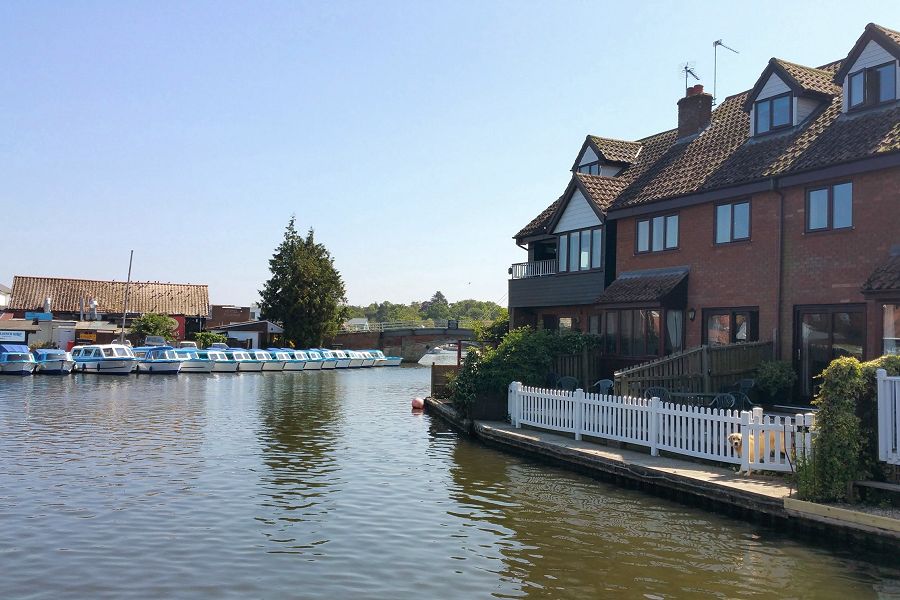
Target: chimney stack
(694,111)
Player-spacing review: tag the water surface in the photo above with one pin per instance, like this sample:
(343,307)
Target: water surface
(325,485)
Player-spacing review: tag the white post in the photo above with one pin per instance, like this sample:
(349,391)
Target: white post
(761,448)
(883,414)
(654,426)
(512,403)
(745,441)
(578,404)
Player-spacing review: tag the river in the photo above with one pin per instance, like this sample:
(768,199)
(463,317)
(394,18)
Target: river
(326,485)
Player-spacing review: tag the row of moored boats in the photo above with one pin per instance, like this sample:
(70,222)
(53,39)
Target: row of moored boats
(119,359)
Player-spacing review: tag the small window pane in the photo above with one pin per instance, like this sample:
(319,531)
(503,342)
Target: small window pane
(574,247)
(674,327)
(892,329)
(643,236)
(658,232)
(594,325)
(653,324)
(818,209)
(640,332)
(612,328)
(843,205)
(723,223)
(762,116)
(781,111)
(627,337)
(563,253)
(672,231)
(856,88)
(718,329)
(741,221)
(585,250)
(565,323)
(597,249)
(887,88)
(741,323)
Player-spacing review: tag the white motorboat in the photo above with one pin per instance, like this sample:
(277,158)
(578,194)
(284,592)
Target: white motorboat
(104,359)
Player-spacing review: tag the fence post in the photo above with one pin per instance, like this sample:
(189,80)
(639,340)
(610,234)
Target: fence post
(883,414)
(654,426)
(745,441)
(578,399)
(513,404)
(704,365)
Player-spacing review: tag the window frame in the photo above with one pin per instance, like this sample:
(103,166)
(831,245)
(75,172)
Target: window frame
(830,207)
(868,101)
(614,343)
(665,235)
(731,239)
(772,127)
(752,315)
(588,166)
(599,230)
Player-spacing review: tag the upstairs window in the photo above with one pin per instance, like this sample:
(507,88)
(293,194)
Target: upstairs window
(657,234)
(581,250)
(872,86)
(732,222)
(829,207)
(590,168)
(773,113)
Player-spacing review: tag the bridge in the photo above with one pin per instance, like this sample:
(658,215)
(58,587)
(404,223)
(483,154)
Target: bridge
(410,339)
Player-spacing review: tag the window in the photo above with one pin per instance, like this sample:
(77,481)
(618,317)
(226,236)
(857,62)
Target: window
(590,168)
(872,86)
(565,323)
(829,207)
(612,332)
(891,333)
(674,331)
(773,113)
(594,325)
(730,326)
(581,250)
(657,234)
(732,222)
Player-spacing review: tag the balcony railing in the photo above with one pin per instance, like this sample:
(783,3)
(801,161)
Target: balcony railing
(537,268)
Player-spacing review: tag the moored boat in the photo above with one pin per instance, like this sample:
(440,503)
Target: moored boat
(368,358)
(343,360)
(329,360)
(104,359)
(385,361)
(246,362)
(15,359)
(157,360)
(269,363)
(314,359)
(51,361)
(356,359)
(220,361)
(286,356)
(192,362)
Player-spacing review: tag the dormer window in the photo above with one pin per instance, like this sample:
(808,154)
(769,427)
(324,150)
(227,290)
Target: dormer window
(872,86)
(773,113)
(590,168)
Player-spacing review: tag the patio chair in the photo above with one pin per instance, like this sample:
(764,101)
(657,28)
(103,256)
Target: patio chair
(742,401)
(722,401)
(658,392)
(744,385)
(604,386)
(567,383)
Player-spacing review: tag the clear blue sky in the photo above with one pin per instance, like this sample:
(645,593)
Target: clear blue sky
(415,137)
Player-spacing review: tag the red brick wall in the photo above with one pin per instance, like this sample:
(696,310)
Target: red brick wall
(820,268)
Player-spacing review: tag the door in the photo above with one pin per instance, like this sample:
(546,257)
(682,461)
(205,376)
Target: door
(822,334)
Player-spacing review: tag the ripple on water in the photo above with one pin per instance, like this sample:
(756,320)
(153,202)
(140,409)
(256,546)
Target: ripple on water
(324,485)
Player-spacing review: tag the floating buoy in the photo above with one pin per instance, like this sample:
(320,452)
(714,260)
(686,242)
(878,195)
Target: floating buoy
(418,404)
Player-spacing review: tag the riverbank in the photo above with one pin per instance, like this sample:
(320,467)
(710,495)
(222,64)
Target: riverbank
(767,499)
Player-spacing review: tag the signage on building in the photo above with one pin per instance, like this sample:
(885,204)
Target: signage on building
(39,316)
(89,337)
(179,331)
(7,335)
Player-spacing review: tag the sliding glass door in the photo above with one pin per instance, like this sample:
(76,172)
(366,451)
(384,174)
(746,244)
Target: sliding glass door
(823,333)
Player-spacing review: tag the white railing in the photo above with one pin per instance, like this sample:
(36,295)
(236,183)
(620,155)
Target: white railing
(888,417)
(536,268)
(768,442)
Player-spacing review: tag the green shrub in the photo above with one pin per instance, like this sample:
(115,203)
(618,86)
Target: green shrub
(835,460)
(867,411)
(205,339)
(775,378)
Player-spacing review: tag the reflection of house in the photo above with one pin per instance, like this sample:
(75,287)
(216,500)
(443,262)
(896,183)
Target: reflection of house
(102,301)
(252,334)
(763,219)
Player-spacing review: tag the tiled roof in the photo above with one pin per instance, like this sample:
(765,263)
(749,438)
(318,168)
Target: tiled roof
(810,79)
(616,150)
(885,278)
(538,225)
(28,293)
(889,33)
(651,285)
(599,189)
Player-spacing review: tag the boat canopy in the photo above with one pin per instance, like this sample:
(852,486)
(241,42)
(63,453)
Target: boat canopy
(14,348)
(48,352)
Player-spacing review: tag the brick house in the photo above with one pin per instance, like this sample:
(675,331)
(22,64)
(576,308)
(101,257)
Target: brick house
(772,218)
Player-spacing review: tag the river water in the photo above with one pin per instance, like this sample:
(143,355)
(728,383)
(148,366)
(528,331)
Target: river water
(326,485)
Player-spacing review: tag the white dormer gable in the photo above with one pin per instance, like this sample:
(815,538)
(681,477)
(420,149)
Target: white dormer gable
(873,55)
(578,214)
(588,156)
(775,86)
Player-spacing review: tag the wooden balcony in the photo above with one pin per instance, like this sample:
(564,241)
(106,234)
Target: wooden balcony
(537,268)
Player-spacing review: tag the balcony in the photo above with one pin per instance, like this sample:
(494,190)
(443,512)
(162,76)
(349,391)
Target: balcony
(537,268)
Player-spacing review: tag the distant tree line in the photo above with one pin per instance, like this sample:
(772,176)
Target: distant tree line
(436,308)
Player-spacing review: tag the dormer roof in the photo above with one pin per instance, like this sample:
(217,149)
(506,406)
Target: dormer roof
(803,81)
(599,190)
(609,150)
(884,37)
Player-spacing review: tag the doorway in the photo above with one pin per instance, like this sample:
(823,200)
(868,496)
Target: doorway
(823,333)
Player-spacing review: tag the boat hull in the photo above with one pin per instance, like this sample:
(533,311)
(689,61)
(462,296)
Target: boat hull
(55,367)
(343,363)
(225,366)
(111,366)
(329,364)
(294,365)
(250,366)
(273,365)
(17,368)
(197,366)
(159,367)
(313,365)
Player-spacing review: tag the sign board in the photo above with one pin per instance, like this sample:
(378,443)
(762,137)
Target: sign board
(7,335)
(39,316)
(90,337)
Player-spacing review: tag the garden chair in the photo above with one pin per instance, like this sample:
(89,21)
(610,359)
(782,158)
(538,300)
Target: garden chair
(722,401)
(567,383)
(604,386)
(657,392)
(742,401)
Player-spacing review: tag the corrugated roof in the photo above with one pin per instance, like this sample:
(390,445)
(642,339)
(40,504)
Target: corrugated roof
(66,295)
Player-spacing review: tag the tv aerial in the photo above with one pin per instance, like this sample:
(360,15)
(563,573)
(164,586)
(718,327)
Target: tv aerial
(716,45)
(688,70)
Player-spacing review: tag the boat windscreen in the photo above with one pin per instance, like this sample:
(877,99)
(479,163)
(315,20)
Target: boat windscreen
(122,352)
(108,352)
(18,356)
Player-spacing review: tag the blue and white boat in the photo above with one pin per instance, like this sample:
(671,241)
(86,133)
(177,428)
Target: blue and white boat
(105,359)
(329,360)
(343,359)
(245,361)
(220,361)
(385,361)
(285,355)
(314,360)
(192,362)
(157,360)
(368,358)
(356,359)
(51,361)
(269,363)
(16,359)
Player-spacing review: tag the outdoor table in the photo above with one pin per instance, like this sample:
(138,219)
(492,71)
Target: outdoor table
(692,398)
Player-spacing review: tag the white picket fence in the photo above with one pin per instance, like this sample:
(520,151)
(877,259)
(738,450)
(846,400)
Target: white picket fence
(769,442)
(888,417)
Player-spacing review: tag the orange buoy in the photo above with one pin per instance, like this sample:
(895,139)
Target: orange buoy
(418,404)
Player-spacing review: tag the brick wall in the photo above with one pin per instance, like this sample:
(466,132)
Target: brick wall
(225,315)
